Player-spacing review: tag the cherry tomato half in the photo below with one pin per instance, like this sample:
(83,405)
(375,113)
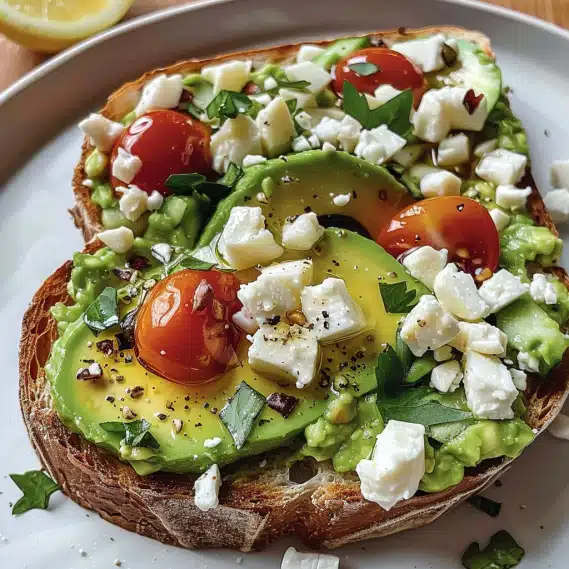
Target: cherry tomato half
(458,224)
(167,142)
(393,68)
(184,331)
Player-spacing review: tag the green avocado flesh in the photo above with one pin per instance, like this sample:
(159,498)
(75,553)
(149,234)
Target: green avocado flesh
(308,181)
(83,405)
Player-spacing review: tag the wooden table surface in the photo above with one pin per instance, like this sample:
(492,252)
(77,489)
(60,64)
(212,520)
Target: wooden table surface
(15,61)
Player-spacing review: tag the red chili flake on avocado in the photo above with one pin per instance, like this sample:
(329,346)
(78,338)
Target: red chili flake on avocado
(106,346)
(471,101)
(282,403)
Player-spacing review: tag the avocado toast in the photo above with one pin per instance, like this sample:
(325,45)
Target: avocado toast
(298,248)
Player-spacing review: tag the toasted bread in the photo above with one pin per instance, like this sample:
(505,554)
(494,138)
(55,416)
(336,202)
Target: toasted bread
(257,505)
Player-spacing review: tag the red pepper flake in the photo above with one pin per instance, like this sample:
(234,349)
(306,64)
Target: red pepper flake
(282,403)
(106,346)
(138,262)
(251,88)
(471,101)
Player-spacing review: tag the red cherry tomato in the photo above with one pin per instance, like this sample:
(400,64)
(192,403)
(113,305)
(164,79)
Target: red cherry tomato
(184,331)
(393,68)
(167,142)
(458,224)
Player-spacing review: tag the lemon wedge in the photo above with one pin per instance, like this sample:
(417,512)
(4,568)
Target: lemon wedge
(52,25)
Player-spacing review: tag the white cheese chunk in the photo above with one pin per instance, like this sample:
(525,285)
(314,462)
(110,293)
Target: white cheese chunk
(277,290)
(162,92)
(397,464)
(428,326)
(425,263)
(342,200)
(501,220)
(309,71)
(349,133)
(446,377)
(262,98)
(485,147)
(313,141)
(287,352)
(559,428)
(440,183)
(385,93)
(304,120)
(327,147)
(489,388)
(409,155)
(276,128)
(307,52)
(300,233)
(327,130)
(443,110)
(303,100)
(245,242)
(270,83)
(236,139)
(527,362)
(372,102)
(502,167)
(102,132)
(332,311)
(206,489)
(155,200)
(119,240)
(502,289)
(519,378)
(133,202)
(557,205)
(231,75)
(126,166)
(559,174)
(443,353)
(300,144)
(162,252)
(453,150)
(212,443)
(244,320)
(542,290)
(510,197)
(425,53)
(294,559)
(457,293)
(379,144)
(480,337)
(253,160)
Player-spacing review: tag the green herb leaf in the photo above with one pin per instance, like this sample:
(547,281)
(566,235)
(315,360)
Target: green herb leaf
(37,488)
(416,405)
(388,372)
(240,413)
(396,298)
(295,85)
(188,262)
(404,354)
(420,368)
(228,104)
(291,104)
(232,176)
(136,433)
(184,183)
(364,68)
(104,312)
(501,553)
(488,506)
(395,113)
(446,431)
(193,110)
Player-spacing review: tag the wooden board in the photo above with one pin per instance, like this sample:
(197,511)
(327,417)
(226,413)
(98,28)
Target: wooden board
(16,61)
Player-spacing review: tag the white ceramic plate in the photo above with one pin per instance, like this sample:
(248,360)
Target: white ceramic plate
(38,150)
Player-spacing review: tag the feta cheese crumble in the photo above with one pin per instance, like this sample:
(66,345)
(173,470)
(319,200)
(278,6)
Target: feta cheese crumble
(342,200)
(512,198)
(502,167)
(446,377)
(126,166)
(440,183)
(302,232)
(502,289)
(133,202)
(453,150)
(162,92)
(332,311)
(102,132)
(425,53)
(502,220)
(425,263)
(206,489)
(276,128)
(231,75)
(119,240)
(480,337)
(378,145)
(309,71)
(542,290)
(557,205)
(397,464)
(212,443)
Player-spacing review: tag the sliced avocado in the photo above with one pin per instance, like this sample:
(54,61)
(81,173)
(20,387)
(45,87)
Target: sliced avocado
(339,49)
(308,181)
(474,70)
(348,367)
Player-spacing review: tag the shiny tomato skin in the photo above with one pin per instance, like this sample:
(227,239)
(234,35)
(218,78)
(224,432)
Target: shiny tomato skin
(186,341)
(167,142)
(393,69)
(459,224)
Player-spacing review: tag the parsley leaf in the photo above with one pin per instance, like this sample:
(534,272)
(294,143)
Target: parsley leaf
(396,298)
(232,176)
(37,488)
(136,433)
(364,68)
(186,261)
(104,312)
(501,553)
(295,85)
(486,505)
(420,368)
(403,352)
(184,183)
(389,372)
(291,104)
(416,405)
(240,413)
(228,104)
(394,113)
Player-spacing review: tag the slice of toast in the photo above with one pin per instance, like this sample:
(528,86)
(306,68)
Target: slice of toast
(87,215)
(309,500)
